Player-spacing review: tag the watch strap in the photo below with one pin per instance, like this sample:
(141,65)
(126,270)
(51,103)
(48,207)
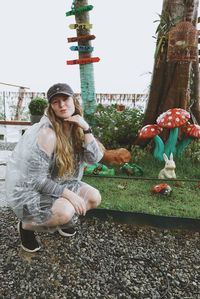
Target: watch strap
(88,131)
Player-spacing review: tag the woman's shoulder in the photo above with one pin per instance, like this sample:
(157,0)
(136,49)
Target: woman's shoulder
(47,139)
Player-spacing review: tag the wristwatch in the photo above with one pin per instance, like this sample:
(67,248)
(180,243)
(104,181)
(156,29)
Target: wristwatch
(88,131)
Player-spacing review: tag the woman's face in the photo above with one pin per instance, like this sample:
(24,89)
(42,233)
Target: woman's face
(63,106)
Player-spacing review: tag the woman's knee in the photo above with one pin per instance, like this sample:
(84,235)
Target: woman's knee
(95,198)
(62,212)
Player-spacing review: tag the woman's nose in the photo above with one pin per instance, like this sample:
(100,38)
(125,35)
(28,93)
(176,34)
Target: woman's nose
(61,103)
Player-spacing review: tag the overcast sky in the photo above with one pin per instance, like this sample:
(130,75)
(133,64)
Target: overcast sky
(34,46)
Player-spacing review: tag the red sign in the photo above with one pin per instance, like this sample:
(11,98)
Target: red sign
(80,38)
(83,60)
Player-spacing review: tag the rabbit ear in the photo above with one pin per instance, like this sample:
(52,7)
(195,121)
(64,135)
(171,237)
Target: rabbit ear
(171,156)
(165,157)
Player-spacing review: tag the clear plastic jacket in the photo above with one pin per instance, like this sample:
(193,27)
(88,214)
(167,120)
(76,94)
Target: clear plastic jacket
(32,182)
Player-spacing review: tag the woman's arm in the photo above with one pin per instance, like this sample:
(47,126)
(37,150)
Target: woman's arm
(91,150)
(40,163)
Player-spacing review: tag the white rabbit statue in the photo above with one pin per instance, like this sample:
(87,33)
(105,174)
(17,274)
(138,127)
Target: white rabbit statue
(169,170)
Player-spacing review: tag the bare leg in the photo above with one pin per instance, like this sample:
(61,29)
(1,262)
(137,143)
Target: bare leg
(62,212)
(91,196)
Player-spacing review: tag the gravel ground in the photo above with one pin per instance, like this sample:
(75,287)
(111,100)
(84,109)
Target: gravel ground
(103,260)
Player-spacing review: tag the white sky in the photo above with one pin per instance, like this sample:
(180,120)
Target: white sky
(34,46)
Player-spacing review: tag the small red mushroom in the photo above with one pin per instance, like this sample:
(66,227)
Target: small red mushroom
(149,131)
(152,131)
(172,119)
(191,132)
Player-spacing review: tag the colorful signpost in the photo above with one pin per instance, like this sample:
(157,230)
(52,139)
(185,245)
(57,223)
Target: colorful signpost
(80,9)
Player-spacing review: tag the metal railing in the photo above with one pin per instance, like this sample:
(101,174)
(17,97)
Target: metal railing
(14,105)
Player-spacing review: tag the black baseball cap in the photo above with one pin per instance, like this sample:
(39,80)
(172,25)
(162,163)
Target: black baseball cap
(59,88)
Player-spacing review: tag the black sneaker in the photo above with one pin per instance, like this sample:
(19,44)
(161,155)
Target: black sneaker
(28,239)
(66,232)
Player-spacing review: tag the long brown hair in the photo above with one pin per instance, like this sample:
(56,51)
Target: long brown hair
(66,148)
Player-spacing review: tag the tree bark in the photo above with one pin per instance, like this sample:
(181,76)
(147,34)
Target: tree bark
(170,86)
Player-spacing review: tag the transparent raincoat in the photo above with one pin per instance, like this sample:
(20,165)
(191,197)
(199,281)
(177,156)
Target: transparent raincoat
(32,182)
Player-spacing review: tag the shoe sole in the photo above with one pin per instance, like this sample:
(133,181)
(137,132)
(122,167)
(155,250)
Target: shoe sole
(65,234)
(24,248)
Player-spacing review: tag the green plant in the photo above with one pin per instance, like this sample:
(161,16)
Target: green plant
(193,151)
(37,106)
(138,154)
(166,22)
(116,129)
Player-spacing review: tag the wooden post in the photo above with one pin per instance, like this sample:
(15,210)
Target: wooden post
(19,102)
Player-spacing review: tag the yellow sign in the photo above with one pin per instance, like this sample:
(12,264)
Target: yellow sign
(80,26)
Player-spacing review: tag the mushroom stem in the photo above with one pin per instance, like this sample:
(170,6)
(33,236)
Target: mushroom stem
(159,148)
(182,145)
(170,145)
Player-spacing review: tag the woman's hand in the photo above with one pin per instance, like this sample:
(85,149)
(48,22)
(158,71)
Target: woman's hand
(77,201)
(79,120)
(78,204)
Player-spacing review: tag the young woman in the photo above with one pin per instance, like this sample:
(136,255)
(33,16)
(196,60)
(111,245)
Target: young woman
(43,180)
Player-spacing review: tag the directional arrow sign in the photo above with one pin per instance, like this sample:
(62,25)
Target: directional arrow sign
(80,38)
(83,60)
(82,48)
(80,26)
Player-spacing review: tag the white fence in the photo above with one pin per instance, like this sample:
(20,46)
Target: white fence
(9,101)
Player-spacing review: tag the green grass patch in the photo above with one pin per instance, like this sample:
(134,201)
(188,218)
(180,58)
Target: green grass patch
(136,196)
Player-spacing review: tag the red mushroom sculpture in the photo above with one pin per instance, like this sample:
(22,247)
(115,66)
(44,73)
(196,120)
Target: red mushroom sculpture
(152,131)
(172,119)
(191,132)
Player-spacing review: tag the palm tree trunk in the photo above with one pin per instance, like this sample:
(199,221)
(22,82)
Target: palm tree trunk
(86,70)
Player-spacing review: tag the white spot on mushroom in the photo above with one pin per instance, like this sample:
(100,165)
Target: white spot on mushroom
(170,117)
(177,119)
(178,113)
(152,129)
(169,112)
(169,123)
(183,116)
(162,120)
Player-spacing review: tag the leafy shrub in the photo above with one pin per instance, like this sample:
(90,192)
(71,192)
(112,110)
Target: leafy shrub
(193,151)
(116,129)
(37,106)
(138,154)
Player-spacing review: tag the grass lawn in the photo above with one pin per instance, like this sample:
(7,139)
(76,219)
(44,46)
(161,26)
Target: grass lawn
(135,195)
